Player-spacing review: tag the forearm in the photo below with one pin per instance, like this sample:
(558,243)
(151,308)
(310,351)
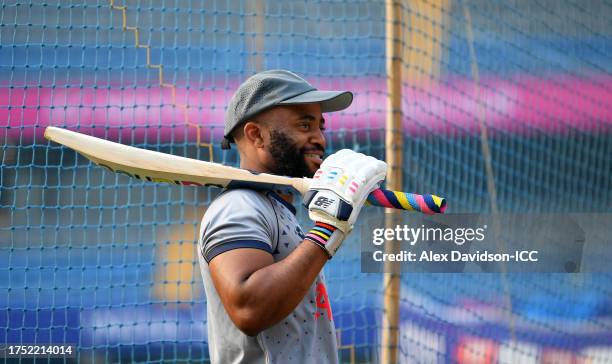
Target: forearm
(271,293)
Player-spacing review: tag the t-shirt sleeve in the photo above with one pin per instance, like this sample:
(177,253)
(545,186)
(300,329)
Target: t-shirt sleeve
(238,219)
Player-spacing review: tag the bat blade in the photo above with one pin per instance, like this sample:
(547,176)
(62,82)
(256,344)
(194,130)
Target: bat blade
(154,166)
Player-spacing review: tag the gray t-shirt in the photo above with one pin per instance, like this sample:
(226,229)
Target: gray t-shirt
(242,218)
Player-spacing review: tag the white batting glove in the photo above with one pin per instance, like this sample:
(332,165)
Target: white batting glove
(337,193)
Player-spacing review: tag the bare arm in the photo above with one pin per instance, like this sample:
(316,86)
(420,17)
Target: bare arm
(257,292)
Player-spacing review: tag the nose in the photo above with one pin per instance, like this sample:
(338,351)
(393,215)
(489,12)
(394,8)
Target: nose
(318,138)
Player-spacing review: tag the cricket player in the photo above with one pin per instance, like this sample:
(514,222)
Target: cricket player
(266,296)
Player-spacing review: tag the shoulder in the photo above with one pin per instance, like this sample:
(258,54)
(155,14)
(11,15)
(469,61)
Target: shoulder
(240,206)
(238,218)
(240,200)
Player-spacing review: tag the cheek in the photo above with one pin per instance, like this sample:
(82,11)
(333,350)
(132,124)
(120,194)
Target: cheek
(297,140)
(300,141)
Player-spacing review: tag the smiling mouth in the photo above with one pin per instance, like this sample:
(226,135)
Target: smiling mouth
(313,156)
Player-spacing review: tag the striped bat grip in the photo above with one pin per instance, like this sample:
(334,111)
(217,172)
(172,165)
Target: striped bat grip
(427,204)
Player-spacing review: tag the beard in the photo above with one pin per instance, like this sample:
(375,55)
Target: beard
(288,158)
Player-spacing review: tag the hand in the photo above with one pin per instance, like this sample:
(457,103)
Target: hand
(337,193)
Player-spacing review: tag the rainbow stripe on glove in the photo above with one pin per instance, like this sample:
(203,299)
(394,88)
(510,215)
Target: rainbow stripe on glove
(320,233)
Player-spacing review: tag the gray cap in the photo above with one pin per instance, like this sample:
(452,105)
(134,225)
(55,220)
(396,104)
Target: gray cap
(277,87)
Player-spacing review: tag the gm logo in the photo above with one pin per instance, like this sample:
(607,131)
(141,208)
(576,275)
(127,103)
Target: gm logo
(323,202)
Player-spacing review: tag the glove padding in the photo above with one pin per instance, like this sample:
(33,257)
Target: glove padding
(338,191)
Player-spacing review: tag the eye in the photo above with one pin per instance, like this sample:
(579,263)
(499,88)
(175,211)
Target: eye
(305,126)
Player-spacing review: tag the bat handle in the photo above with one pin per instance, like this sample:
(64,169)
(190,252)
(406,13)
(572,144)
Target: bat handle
(427,204)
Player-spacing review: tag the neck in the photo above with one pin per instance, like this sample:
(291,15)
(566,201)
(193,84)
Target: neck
(251,159)
(253,166)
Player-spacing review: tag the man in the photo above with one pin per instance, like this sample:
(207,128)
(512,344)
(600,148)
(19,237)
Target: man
(266,295)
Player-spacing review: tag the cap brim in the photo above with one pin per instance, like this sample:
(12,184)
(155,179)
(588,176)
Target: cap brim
(330,100)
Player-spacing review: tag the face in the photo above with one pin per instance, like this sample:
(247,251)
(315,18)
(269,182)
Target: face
(296,141)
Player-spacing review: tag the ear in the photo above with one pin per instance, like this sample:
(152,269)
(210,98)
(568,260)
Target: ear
(254,132)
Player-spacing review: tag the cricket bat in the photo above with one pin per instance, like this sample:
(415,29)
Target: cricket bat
(154,166)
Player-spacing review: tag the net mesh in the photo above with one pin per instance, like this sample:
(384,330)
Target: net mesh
(108,263)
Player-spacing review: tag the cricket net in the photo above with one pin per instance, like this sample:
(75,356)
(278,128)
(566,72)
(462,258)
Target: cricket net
(108,263)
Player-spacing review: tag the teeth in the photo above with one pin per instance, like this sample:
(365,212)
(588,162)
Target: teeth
(309,155)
